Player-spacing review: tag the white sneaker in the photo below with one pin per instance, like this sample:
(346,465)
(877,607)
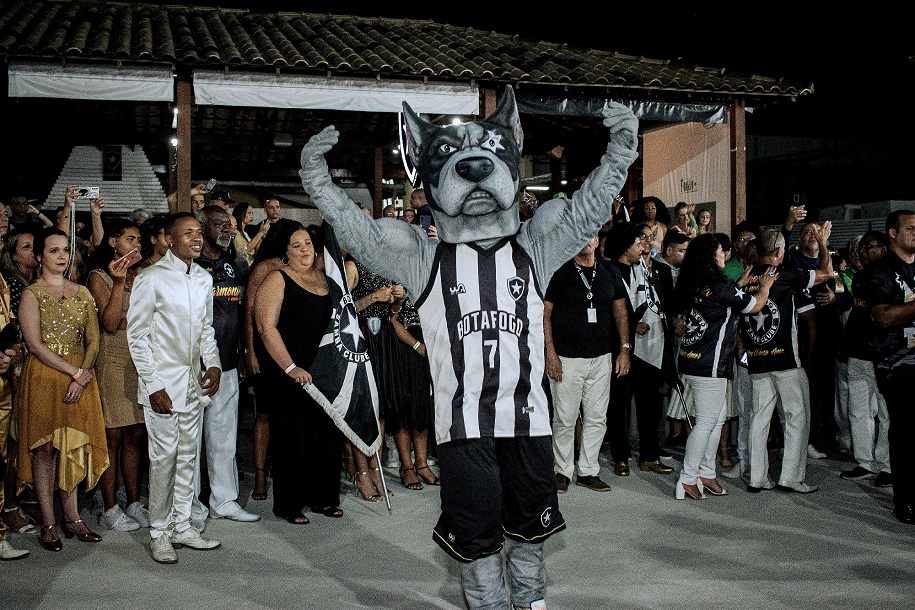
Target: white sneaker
(191,538)
(8,552)
(162,550)
(814,453)
(139,514)
(801,488)
(734,472)
(115,519)
(235,513)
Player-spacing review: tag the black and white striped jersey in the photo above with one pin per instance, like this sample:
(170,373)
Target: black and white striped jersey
(482,313)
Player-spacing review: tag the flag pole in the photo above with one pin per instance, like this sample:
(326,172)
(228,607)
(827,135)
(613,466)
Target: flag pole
(384,483)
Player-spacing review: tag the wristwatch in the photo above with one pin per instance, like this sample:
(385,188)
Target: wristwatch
(626,346)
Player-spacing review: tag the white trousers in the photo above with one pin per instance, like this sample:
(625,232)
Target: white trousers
(742,396)
(841,415)
(220,432)
(585,388)
(707,398)
(870,438)
(173,454)
(794,390)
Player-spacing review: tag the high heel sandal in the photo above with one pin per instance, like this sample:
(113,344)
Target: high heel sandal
(693,491)
(379,486)
(415,485)
(86,536)
(53,542)
(255,494)
(361,493)
(713,487)
(435,480)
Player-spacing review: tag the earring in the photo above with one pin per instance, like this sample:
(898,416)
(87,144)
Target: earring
(285,260)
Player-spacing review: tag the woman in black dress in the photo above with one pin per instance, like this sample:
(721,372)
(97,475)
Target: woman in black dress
(292,310)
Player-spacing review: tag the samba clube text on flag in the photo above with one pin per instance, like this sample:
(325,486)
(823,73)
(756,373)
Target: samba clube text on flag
(342,379)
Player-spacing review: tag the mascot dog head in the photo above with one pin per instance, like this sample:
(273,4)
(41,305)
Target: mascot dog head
(470,172)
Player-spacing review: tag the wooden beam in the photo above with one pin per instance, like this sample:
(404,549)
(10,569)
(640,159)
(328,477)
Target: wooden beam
(738,123)
(488,102)
(183,100)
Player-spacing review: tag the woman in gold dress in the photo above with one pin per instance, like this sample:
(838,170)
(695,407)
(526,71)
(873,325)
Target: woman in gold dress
(61,429)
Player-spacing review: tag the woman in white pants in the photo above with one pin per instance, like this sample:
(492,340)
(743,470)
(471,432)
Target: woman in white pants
(709,304)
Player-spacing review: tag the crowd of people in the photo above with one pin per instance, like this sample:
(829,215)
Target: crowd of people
(717,343)
(137,337)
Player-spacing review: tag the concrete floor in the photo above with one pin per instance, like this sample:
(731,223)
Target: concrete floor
(635,547)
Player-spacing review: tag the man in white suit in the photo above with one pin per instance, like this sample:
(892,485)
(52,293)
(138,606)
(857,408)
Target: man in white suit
(170,330)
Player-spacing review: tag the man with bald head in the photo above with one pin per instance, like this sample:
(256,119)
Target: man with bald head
(220,417)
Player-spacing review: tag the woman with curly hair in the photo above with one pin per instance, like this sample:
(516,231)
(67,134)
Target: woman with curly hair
(709,303)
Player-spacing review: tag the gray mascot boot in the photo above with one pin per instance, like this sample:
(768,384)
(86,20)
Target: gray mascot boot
(526,574)
(484,584)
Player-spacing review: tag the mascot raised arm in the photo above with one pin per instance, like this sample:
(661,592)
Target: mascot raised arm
(479,291)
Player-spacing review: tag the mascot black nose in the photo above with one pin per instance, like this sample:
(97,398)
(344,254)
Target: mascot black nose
(474,169)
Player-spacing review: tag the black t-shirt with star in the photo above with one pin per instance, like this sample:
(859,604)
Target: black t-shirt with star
(893,283)
(227,298)
(707,349)
(770,336)
(573,335)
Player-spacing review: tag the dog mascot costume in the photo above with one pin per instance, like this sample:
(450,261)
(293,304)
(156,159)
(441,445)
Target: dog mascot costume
(479,291)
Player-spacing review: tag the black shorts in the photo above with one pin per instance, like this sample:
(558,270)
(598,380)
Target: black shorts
(496,487)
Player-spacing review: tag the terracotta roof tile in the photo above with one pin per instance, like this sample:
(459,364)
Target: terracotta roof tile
(146,33)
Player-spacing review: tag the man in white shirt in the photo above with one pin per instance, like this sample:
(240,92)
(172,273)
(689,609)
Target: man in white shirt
(169,331)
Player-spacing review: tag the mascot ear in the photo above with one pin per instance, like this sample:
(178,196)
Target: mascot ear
(506,114)
(413,130)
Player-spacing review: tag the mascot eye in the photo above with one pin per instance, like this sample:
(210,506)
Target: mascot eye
(446,149)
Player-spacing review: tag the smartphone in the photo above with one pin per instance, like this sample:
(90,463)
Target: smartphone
(210,185)
(8,336)
(132,257)
(425,221)
(88,193)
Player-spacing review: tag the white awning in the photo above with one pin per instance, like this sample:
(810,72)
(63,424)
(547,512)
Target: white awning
(90,82)
(213,87)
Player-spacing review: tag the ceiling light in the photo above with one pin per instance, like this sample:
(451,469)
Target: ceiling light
(537,188)
(174,142)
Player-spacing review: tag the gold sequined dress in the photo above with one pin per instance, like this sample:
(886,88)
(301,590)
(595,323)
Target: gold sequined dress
(69,327)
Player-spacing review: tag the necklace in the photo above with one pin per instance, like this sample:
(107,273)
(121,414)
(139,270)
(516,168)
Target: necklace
(53,290)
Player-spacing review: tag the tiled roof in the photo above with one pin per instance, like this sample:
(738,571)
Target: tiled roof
(356,46)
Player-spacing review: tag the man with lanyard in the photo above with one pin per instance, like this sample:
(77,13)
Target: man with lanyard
(580,302)
(770,338)
(891,295)
(220,417)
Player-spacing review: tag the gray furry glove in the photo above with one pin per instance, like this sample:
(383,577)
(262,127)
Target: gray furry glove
(314,173)
(623,125)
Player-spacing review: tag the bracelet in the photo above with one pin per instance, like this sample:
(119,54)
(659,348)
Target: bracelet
(77,375)
(289,368)
(416,345)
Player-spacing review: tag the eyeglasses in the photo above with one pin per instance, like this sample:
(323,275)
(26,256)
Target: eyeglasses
(644,237)
(389,214)
(874,246)
(744,240)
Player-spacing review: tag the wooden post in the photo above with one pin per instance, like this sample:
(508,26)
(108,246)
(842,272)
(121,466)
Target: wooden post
(183,100)
(378,195)
(738,124)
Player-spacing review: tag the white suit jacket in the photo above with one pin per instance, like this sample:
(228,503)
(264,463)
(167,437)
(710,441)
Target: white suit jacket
(170,329)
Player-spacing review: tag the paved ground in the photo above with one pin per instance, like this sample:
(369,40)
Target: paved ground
(635,547)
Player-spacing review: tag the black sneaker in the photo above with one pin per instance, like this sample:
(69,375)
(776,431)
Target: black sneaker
(562,483)
(858,473)
(593,483)
(884,479)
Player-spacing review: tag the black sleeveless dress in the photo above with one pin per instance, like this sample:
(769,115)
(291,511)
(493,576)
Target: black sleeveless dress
(307,446)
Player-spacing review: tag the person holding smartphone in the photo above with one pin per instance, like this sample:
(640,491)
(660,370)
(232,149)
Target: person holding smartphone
(125,428)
